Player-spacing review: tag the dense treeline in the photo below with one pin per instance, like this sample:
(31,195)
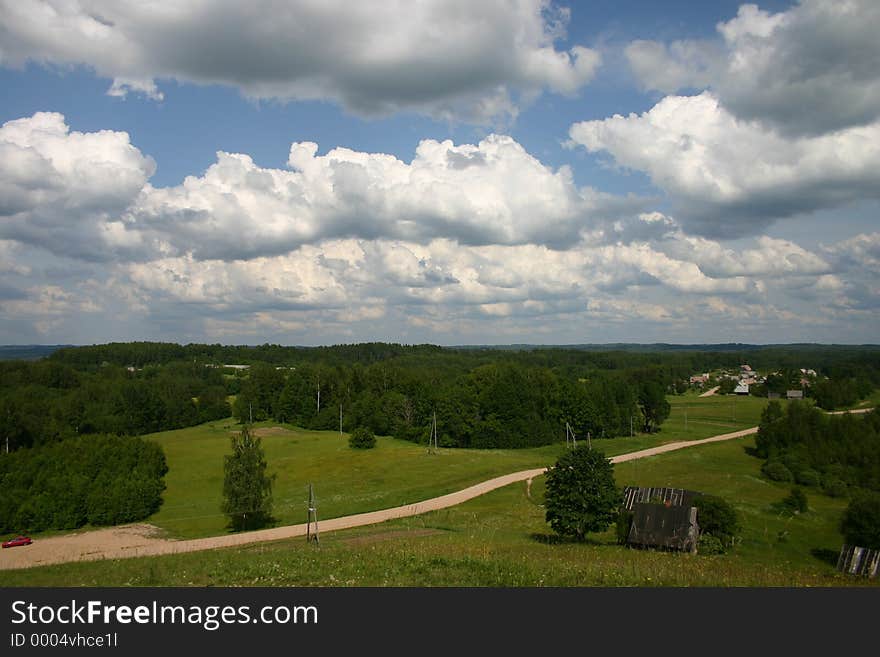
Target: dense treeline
(837,362)
(482,397)
(498,404)
(97,480)
(812,448)
(47,401)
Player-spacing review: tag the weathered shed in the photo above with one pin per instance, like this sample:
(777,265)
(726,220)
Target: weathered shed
(658,525)
(858,561)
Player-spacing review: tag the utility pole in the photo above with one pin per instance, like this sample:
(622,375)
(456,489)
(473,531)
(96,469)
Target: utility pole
(251,411)
(630,426)
(570,432)
(432,441)
(313,515)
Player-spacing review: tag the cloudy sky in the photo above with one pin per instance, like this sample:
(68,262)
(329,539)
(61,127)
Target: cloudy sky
(451,172)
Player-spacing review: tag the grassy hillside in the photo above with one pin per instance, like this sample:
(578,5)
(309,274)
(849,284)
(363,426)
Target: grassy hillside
(346,480)
(396,472)
(501,539)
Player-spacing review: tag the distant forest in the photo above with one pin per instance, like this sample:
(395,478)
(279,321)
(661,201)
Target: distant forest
(482,397)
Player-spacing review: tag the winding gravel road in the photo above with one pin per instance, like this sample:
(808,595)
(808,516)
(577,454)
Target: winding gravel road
(141,540)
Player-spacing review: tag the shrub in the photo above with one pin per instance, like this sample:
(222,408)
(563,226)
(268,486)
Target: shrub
(709,544)
(860,524)
(777,471)
(624,523)
(362,438)
(796,501)
(834,487)
(808,477)
(717,517)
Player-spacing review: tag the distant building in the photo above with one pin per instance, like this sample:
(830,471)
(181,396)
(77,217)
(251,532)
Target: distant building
(741,389)
(794,394)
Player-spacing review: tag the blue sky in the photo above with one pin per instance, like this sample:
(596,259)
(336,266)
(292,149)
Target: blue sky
(461,173)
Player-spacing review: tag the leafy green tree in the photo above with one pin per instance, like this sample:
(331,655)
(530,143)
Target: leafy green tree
(716,516)
(860,524)
(581,495)
(362,438)
(247,488)
(655,407)
(726,386)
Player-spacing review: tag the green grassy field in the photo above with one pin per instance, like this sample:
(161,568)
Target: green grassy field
(346,480)
(693,417)
(501,539)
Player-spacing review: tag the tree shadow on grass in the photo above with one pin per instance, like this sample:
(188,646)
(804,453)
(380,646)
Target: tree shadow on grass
(825,555)
(751,451)
(261,521)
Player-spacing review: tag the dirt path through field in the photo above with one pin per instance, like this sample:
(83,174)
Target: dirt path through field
(145,540)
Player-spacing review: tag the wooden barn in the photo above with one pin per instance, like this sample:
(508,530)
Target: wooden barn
(859,561)
(662,518)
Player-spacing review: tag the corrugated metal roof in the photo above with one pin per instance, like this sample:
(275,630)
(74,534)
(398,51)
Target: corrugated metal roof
(669,496)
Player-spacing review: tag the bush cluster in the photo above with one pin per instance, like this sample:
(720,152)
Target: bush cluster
(362,438)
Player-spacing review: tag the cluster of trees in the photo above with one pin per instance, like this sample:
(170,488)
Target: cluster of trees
(97,480)
(493,405)
(47,401)
(805,445)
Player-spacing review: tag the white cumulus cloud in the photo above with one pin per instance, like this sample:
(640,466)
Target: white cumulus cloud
(65,190)
(475,61)
(812,69)
(729,176)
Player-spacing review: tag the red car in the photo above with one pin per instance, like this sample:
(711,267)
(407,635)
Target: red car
(18,540)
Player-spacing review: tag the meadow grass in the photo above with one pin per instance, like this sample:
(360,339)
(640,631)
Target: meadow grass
(346,480)
(502,539)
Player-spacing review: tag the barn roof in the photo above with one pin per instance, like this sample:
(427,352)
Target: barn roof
(670,496)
